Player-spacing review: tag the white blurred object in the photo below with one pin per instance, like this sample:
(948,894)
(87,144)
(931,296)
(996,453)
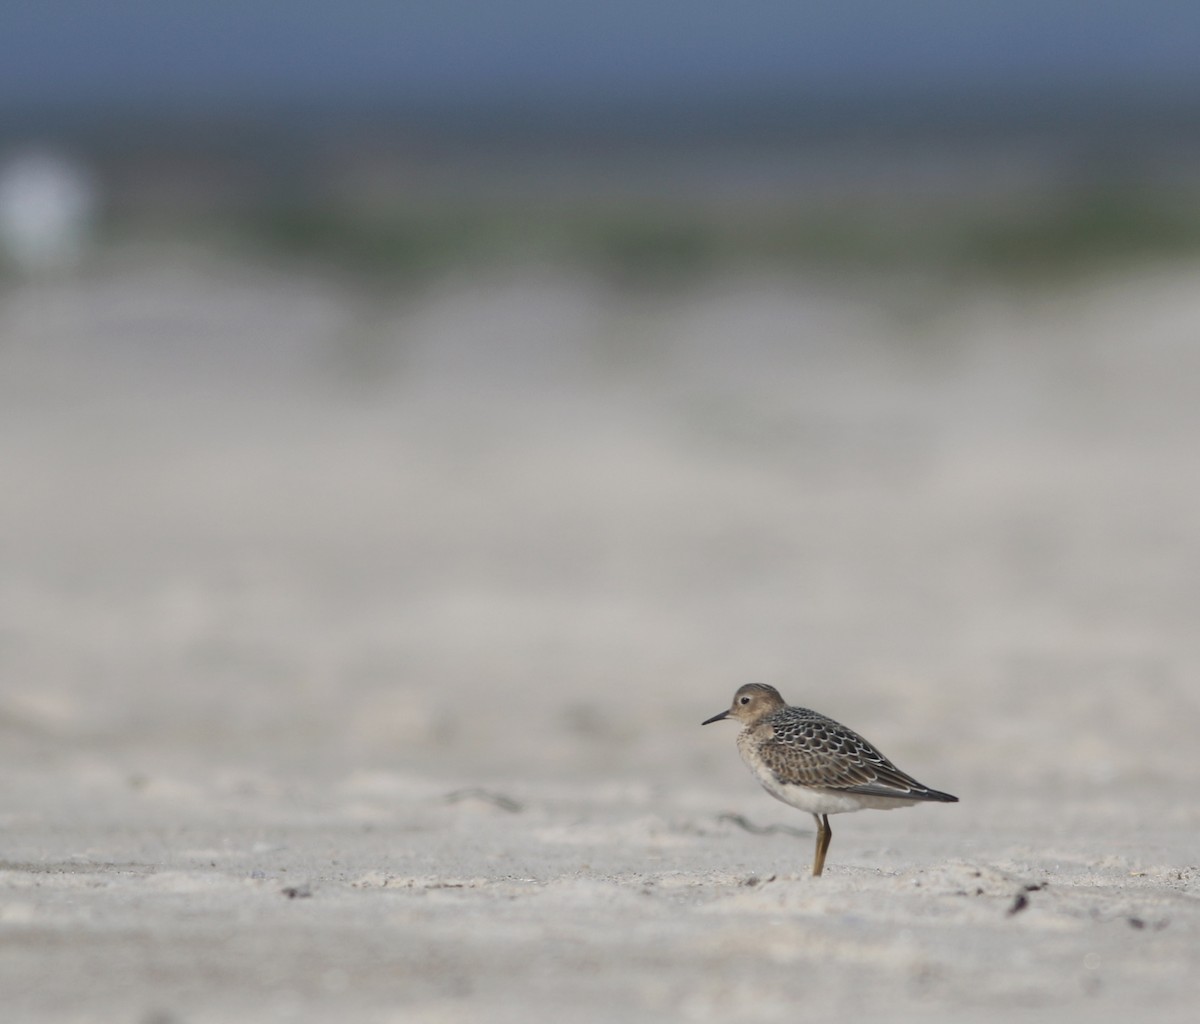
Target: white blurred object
(47,208)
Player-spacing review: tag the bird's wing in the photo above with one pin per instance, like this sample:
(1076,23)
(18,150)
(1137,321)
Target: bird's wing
(822,754)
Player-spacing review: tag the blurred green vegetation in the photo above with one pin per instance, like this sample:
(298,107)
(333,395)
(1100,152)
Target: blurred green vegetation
(1023,238)
(1084,231)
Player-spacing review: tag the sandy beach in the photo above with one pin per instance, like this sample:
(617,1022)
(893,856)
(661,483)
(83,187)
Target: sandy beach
(354,646)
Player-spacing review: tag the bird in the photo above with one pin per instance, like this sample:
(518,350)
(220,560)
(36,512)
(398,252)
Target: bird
(816,764)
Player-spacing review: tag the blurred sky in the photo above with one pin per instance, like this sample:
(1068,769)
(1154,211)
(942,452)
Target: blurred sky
(220,53)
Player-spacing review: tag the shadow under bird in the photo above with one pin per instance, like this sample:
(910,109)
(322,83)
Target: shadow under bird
(816,764)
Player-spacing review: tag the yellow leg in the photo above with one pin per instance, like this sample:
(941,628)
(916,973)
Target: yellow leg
(824,834)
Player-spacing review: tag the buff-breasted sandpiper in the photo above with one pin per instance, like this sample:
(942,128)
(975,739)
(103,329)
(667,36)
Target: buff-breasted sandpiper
(816,764)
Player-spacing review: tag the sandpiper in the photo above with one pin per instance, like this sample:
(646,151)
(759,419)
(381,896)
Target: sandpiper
(816,764)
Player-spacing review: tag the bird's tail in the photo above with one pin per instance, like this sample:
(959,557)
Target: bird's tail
(935,794)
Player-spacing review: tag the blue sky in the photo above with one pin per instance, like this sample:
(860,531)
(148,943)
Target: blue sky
(223,53)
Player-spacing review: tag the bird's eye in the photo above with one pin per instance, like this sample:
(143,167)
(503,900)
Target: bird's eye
(744,700)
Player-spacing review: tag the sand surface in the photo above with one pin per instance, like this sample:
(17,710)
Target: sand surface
(354,645)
